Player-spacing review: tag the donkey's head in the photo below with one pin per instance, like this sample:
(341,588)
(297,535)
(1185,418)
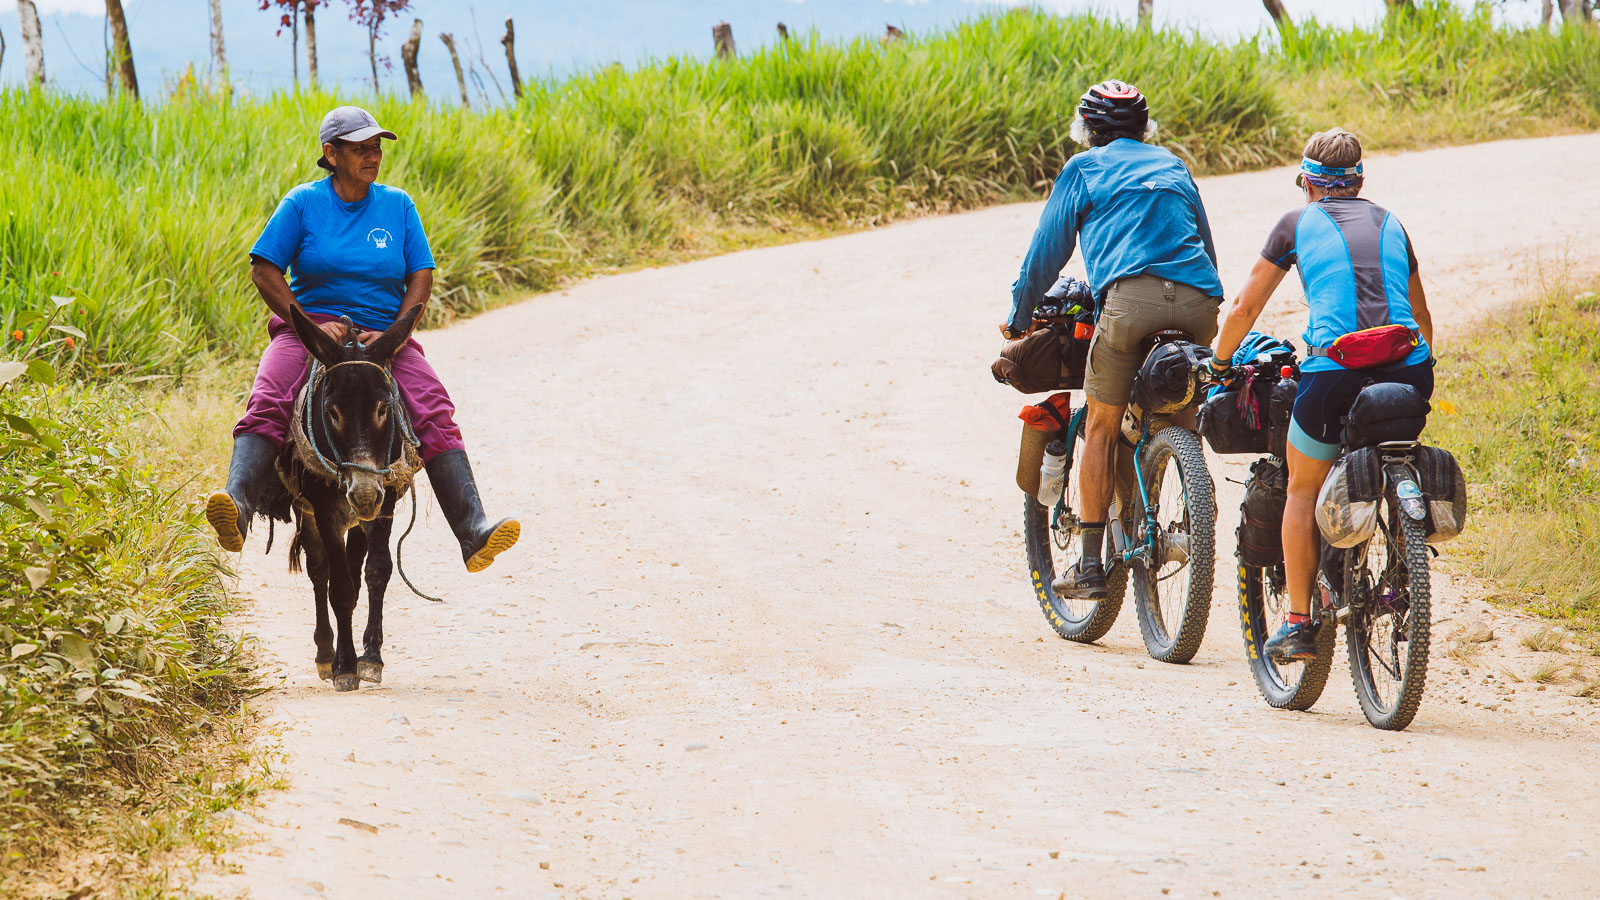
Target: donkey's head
(351,418)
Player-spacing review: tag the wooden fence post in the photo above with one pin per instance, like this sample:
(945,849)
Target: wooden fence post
(510,40)
(891,34)
(722,34)
(1280,16)
(450,42)
(408,56)
(783,32)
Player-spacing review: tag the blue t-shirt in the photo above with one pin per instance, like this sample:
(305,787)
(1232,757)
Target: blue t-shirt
(1138,212)
(347,259)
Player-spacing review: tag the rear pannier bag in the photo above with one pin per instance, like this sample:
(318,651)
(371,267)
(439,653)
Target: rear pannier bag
(1385,412)
(1347,505)
(1444,487)
(1261,514)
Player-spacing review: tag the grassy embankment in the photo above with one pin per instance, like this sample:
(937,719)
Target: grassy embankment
(1526,427)
(144,215)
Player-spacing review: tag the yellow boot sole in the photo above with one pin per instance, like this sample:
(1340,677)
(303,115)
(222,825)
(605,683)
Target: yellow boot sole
(500,540)
(223,514)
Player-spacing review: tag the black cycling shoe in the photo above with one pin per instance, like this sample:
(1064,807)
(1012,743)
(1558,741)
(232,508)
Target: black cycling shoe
(1084,581)
(1292,643)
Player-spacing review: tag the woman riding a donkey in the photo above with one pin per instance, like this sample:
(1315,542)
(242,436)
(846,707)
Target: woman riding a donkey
(354,249)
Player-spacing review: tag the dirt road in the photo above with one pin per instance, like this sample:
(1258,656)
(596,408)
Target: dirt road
(769,631)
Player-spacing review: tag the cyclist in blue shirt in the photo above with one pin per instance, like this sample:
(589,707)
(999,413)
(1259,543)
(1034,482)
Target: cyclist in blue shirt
(1150,260)
(1359,272)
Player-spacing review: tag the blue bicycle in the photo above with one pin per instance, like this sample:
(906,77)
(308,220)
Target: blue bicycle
(1161,531)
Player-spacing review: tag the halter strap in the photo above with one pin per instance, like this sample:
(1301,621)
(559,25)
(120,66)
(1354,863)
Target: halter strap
(336,466)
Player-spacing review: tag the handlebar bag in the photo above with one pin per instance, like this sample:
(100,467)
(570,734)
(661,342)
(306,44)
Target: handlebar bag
(1252,417)
(1389,411)
(1261,514)
(1347,505)
(1444,487)
(1038,362)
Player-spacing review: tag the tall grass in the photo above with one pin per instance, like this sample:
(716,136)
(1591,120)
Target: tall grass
(1521,404)
(146,214)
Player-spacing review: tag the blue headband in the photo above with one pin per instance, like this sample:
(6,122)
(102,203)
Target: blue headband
(1329,176)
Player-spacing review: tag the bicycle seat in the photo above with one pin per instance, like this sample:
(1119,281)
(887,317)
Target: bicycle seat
(1166,336)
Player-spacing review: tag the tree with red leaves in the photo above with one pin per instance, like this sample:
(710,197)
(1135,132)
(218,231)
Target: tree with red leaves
(371,15)
(291,13)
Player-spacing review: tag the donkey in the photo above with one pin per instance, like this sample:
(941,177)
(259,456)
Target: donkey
(349,459)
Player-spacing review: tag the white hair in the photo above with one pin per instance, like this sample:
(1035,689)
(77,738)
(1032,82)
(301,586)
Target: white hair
(1080,130)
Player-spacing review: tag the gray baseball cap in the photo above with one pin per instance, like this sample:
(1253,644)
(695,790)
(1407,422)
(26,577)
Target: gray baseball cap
(349,123)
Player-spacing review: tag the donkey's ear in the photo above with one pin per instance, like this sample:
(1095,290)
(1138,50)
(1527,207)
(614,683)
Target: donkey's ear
(389,343)
(324,348)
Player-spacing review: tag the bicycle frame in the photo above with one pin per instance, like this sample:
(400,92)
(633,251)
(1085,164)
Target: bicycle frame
(1147,547)
(1402,491)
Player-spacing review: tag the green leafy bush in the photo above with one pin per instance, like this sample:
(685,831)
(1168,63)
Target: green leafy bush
(111,655)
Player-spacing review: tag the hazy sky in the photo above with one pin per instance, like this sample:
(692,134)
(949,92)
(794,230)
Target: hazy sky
(553,36)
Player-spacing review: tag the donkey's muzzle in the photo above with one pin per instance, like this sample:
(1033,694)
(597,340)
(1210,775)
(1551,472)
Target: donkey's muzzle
(365,496)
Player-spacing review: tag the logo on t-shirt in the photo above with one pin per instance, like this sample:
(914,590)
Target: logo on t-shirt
(380,237)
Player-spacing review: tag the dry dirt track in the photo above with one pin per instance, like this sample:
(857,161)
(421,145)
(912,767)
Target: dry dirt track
(769,631)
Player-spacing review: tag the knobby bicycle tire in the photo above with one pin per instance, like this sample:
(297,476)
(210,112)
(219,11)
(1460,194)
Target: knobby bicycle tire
(1096,619)
(1277,687)
(1183,446)
(1408,698)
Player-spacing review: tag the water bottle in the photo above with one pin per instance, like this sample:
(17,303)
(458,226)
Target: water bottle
(1053,473)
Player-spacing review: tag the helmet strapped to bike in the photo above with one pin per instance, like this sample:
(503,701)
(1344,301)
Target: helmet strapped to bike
(1112,109)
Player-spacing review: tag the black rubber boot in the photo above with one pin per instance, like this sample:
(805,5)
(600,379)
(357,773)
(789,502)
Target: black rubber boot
(451,476)
(229,510)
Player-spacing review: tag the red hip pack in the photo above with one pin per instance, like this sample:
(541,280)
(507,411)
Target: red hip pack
(1371,347)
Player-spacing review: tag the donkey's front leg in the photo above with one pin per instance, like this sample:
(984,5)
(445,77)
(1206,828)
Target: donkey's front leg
(341,592)
(379,567)
(317,568)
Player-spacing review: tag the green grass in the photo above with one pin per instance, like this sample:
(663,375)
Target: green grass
(146,214)
(1520,407)
(122,718)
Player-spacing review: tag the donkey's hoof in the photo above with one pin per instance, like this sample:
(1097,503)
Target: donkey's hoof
(348,681)
(325,671)
(370,671)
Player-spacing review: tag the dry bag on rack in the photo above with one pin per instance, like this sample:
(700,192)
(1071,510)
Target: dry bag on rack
(1261,514)
(1390,411)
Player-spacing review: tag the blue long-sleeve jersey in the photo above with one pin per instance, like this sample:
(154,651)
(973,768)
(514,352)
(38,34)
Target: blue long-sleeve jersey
(1137,211)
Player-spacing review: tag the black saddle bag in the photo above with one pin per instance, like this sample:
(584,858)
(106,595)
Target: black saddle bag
(1385,412)
(1261,514)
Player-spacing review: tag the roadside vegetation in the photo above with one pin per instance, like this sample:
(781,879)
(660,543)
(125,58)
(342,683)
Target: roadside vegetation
(145,213)
(1519,404)
(114,667)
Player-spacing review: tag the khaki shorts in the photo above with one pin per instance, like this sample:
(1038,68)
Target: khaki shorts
(1134,308)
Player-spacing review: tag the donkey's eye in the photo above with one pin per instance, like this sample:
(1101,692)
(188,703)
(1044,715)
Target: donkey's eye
(381,415)
(336,418)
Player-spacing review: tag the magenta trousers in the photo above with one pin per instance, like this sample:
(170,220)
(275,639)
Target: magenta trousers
(283,373)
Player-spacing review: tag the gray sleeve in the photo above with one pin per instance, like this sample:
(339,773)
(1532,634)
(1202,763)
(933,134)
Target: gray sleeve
(1279,249)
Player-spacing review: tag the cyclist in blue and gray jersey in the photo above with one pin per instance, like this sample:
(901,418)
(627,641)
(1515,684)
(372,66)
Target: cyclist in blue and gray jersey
(1360,278)
(1150,260)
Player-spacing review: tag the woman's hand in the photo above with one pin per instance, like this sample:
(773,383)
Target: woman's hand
(336,330)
